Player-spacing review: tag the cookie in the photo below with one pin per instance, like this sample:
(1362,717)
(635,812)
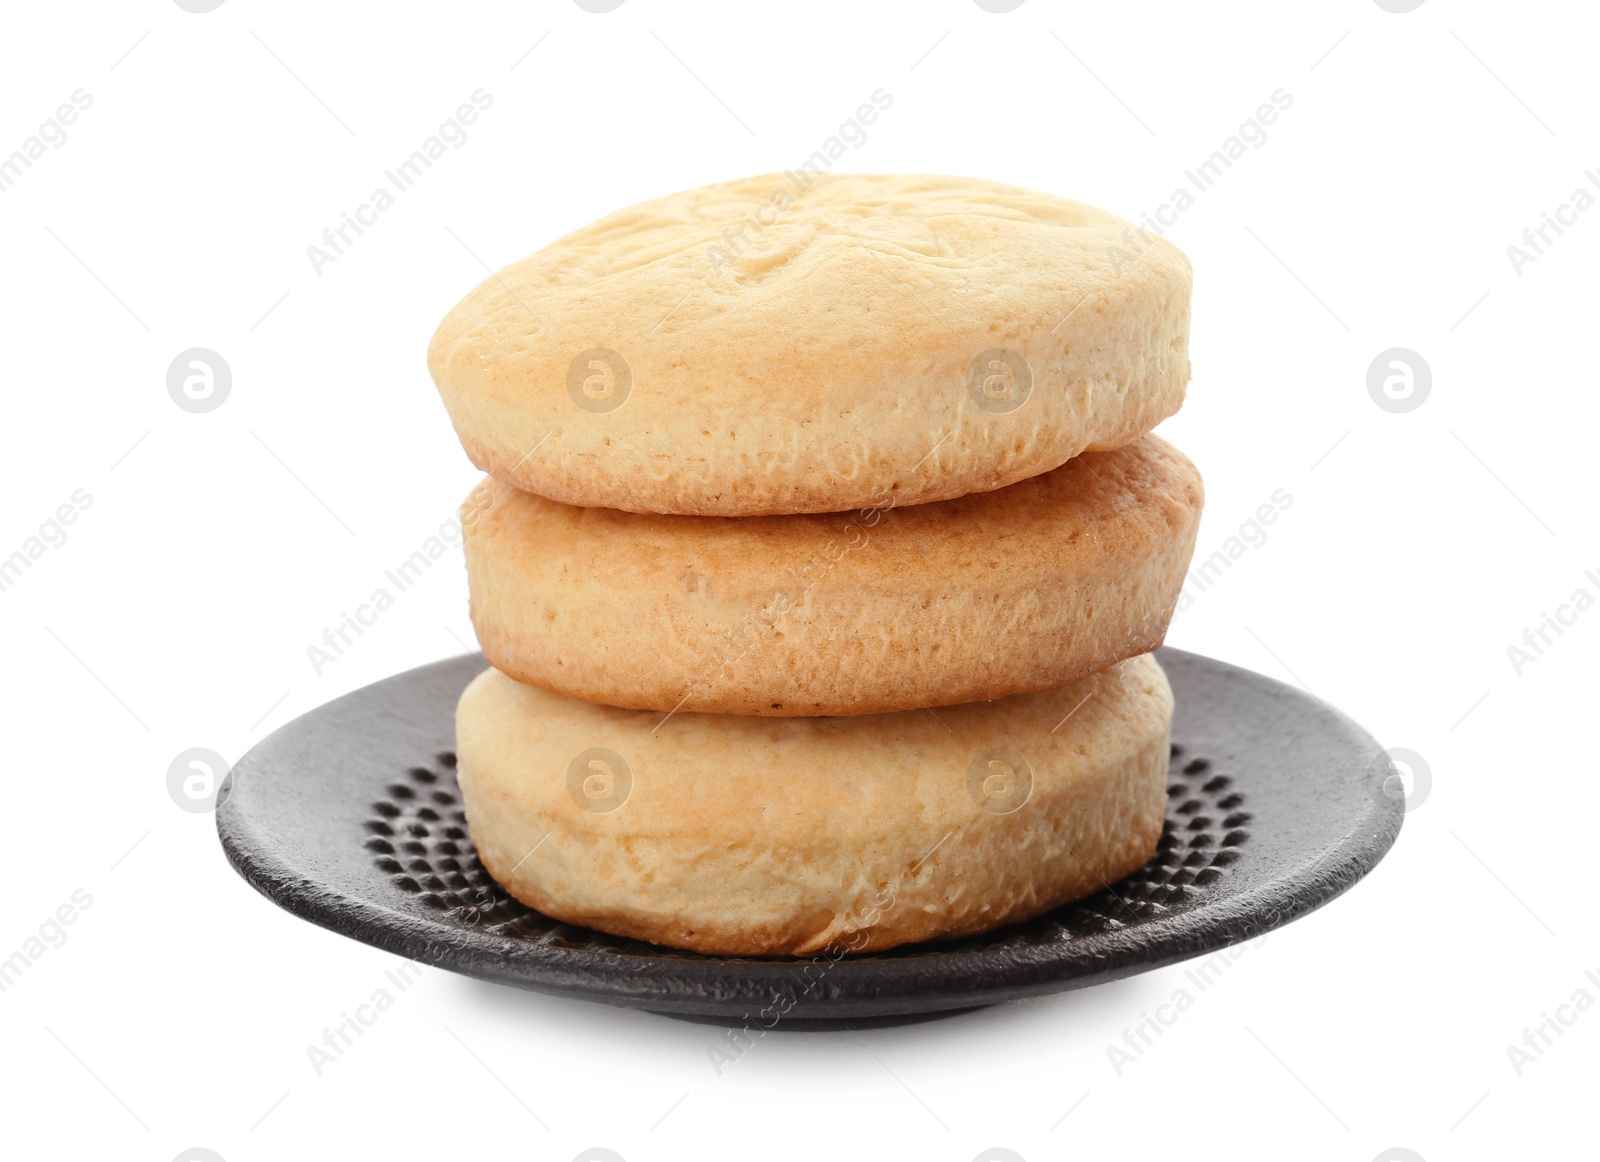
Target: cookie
(1026,588)
(804,343)
(741,836)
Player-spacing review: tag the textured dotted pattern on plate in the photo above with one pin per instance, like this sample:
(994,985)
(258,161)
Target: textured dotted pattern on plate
(417,835)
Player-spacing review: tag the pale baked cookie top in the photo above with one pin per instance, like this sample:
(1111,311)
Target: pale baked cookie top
(815,343)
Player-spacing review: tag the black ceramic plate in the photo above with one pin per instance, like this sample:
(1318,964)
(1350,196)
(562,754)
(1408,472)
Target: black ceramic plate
(350,817)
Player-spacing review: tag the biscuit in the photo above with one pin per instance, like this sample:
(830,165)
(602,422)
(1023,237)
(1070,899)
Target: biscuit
(741,836)
(816,343)
(1026,588)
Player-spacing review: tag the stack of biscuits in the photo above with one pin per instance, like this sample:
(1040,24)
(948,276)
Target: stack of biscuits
(820,560)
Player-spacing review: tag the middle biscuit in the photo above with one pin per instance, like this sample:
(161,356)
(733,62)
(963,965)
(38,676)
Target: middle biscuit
(1026,588)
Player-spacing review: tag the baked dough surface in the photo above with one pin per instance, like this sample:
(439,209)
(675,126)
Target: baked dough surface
(761,346)
(769,837)
(1026,588)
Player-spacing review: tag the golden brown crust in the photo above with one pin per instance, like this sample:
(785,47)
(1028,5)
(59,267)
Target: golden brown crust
(1030,587)
(832,359)
(742,836)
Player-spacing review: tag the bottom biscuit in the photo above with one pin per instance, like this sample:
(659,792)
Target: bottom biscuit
(742,836)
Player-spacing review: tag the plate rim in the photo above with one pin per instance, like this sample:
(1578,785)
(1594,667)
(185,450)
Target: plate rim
(722,985)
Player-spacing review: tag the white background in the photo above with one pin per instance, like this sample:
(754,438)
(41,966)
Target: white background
(219,546)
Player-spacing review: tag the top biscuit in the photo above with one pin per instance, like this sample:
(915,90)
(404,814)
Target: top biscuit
(804,342)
